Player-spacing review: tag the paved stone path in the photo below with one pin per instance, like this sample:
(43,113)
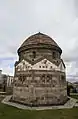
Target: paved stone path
(70,104)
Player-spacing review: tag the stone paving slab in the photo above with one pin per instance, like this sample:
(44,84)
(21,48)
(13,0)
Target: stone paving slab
(70,104)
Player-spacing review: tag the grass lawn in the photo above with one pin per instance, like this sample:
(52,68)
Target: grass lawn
(8,112)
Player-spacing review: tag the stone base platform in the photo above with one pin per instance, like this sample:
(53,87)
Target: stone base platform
(69,104)
(34,104)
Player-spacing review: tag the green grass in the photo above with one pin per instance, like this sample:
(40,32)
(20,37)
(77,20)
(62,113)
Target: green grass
(8,112)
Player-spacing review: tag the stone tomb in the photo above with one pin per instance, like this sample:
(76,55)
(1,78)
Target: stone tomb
(40,77)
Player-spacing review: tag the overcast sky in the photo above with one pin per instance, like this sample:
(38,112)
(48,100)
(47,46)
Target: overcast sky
(21,18)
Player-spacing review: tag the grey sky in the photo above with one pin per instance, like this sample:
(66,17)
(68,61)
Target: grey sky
(22,18)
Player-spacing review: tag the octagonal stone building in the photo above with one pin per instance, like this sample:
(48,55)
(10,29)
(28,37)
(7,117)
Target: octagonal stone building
(40,77)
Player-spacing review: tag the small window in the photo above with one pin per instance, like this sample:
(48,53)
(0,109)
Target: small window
(43,66)
(54,55)
(48,79)
(63,77)
(39,66)
(34,54)
(43,78)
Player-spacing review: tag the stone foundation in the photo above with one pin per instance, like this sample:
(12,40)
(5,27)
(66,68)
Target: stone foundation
(36,96)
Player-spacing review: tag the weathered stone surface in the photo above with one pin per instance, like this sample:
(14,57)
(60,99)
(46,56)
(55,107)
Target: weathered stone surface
(40,73)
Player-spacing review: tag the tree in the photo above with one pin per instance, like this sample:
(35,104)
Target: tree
(69,87)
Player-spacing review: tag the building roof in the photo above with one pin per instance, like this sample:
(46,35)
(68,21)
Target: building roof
(39,38)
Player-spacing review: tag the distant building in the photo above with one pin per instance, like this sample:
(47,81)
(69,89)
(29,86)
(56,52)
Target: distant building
(10,80)
(5,81)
